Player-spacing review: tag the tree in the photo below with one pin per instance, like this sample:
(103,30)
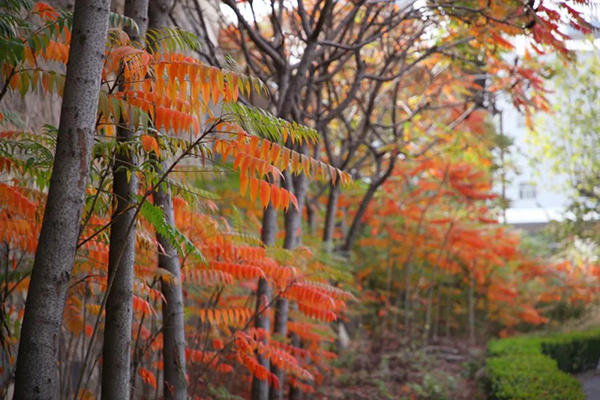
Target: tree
(116,365)
(568,136)
(36,373)
(174,365)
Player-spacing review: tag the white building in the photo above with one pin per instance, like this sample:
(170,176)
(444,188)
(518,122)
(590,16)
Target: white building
(536,195)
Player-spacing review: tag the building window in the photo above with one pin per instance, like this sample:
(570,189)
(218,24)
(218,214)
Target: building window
(527,191)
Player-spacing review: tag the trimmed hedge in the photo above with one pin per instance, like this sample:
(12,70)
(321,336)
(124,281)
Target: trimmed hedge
(527,368)
(574,352)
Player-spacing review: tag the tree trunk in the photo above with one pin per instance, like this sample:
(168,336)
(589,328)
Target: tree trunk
(293,236)
(260,389)
(407,307)
(436,321)
(293,217)
(472,308)
(448,312)
(295,393)
(175,382)
(174,366)
(329,226)
(116,355)
(36,375)
(364,204)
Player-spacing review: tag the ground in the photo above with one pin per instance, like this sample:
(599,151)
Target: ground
(591,384)
(394,368)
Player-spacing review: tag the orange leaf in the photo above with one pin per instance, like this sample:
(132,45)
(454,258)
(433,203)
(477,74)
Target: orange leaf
(149,144)
(275,196)
(265,193)
(253,188)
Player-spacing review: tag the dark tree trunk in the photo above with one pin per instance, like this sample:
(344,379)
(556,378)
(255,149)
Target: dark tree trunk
(36,375)
(116,355)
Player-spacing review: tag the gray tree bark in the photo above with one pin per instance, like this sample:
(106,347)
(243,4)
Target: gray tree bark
(472,308)
(293,238)
(36,375)
(174,367)
(116,356)
(329,225)
(260,389)
(280,328)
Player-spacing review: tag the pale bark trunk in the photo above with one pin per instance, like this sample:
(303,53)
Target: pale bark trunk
(116,356)
(174,363)
(36,375)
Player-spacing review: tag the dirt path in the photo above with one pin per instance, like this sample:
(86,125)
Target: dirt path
(591,384)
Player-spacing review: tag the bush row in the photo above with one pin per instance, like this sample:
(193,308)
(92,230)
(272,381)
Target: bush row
(538,367)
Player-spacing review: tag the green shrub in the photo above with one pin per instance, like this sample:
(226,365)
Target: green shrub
(574,352)
(536,367)
(530,377)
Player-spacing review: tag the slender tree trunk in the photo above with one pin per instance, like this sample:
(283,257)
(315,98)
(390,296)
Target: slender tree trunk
(116,355)
(174,366)
(436,323)
(472,308)
(260,389)
(175,382)
(293,236)
(364,204)
(407,306)
(293,217)
(448,312)
(311,217)
(329,226)
(36,375)
(295,393)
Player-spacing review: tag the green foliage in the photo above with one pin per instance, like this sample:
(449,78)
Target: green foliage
(537,367)
(266,125)
(173,39)
(30,153)
(569,138)
(155,216)
(575,352)
(530,376)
